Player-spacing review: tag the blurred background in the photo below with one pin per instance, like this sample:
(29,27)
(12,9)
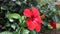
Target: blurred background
(9,9)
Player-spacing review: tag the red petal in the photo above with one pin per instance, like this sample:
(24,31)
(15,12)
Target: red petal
(53,24)
(38,19)
(27,12)
(35,11)
(30,25)
(37,26)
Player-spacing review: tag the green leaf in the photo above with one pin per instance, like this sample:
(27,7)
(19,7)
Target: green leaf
(22,21)
(25,31)
(14,15)
(55,18)
(6,32)
(7,24)
(4,7)
(17,31)
(18,2)
(58,12)
(13,26)
(32,32)
(43,2)
(11,20)
(45,23)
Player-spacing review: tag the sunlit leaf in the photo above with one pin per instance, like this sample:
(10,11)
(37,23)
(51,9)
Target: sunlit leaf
(25,31)
(14,15)
(6,32)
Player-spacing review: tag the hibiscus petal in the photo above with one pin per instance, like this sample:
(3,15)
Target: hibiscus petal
(30,24)
(38,19)
(37,26)
(35,11)
(27,12)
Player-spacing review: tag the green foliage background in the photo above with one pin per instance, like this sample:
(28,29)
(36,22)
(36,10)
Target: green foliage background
(12,20)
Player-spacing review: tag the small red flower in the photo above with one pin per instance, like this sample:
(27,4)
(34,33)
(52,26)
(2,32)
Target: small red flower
(53,24)
(34,21)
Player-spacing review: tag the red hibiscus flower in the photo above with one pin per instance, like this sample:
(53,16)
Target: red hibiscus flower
(53,24)
(34,21)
